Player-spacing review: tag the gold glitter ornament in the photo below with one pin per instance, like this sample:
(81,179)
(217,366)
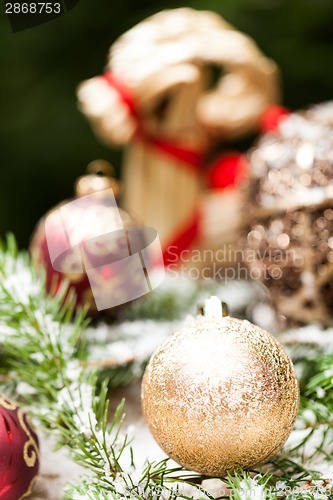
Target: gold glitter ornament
(220,394)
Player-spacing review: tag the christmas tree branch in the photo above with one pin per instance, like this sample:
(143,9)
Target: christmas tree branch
(45,361)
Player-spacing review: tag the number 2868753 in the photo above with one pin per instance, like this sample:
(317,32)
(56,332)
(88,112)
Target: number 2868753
(33,8)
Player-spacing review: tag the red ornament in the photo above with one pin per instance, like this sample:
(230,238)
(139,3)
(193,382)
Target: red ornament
(54,279)
(19,456)
(78,239)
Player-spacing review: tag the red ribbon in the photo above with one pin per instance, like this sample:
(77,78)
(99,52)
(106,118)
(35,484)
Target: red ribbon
(124,93)
(227,171)
(183,240)
(189,157)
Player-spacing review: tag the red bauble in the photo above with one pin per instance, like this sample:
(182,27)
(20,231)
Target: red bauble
(96,251)
(19,455)
(54,279)
(87,220)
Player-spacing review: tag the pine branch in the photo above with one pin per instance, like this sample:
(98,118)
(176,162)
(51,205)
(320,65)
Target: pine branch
(44,358)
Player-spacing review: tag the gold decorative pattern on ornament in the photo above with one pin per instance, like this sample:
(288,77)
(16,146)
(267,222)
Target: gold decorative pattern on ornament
(29,490)
(7,403)
(30,456)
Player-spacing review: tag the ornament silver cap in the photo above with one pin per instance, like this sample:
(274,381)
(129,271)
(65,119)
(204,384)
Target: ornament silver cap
(214,308)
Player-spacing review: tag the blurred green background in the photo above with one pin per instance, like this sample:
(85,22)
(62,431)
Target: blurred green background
(46,143)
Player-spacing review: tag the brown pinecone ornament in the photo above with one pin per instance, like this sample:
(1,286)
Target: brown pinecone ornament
(220,394)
